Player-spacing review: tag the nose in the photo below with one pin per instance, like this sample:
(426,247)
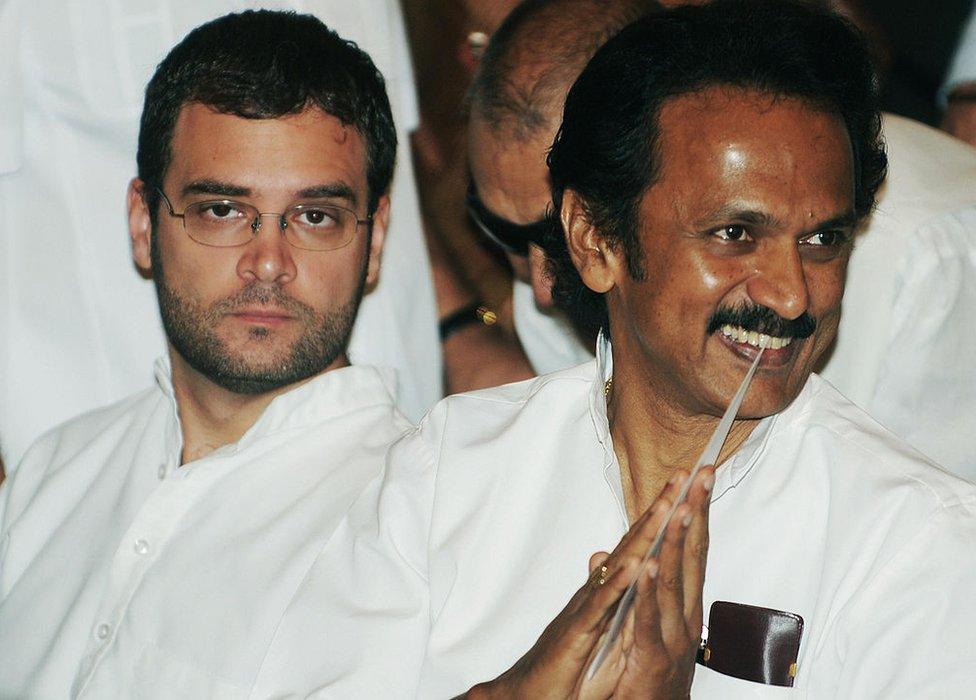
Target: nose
(780,282)
(268,257)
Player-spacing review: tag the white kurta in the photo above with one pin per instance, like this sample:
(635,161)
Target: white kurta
(79,326)
(483,523)
(906,328)
(124,575)
(905,341)
(546,336)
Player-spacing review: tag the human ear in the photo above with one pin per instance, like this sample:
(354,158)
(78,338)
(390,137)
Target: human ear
(588,249)
(381,219)
(140,224)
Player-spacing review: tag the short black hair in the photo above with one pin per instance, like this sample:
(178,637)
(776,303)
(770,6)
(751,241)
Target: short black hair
(264,64)
(608,151)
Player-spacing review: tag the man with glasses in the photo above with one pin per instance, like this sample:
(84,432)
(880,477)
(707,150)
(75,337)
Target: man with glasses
(155,547)
(516,106)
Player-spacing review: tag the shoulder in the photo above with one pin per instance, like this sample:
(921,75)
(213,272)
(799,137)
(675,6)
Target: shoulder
(76,434)
(69,442)
(856,450)
(930,174)
(490,411)
(468,442)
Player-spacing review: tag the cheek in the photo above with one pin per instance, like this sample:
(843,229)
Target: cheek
(826,286)
(329,280)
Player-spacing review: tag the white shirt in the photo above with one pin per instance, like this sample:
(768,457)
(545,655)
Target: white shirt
(962,68)
(79,325)
(546,336)
(124,575)
(486,516)
(905,341)
(906,326)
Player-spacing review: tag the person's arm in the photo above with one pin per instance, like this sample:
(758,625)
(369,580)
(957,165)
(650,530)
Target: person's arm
(476,354)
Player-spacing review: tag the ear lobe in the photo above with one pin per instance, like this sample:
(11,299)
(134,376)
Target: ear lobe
(588,249)
(140,224)
(381,219)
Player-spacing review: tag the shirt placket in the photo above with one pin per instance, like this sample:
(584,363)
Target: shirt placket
(138,550)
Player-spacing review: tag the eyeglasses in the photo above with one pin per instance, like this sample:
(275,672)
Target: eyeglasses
(224,223)
(513,238)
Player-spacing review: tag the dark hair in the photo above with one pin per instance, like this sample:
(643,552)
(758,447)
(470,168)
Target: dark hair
(262,65)
(608,151)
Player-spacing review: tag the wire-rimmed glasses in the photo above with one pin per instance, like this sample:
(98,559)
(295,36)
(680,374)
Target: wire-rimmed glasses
(225,223)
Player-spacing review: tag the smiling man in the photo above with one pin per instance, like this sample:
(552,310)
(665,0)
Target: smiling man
(711,171)
(154,547)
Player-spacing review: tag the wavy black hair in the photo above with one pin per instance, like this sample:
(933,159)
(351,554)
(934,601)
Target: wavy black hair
(262,65)
(608,147)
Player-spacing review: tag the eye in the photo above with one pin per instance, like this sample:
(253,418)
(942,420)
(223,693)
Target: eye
(319,217)
(829,239)
(221,211)
(732,232)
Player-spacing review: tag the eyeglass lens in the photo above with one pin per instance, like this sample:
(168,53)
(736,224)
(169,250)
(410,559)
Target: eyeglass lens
(227,223)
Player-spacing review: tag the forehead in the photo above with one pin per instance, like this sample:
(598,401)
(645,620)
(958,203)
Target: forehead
(722,146)
(295,149)
(510,173)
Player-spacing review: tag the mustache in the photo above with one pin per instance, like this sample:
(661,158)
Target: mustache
(260,294)
(762,320)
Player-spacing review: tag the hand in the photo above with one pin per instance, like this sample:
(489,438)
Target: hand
(655,655)
(663,632)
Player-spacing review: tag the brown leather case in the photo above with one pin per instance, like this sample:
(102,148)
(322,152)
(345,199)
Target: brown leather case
(752,643)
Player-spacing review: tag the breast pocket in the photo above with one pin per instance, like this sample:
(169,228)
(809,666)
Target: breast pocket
(711,684)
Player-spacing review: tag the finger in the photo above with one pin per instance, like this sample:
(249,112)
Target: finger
(670,580)
(601,599)
(642,533)
(696,549)
(647,640)
(597,559)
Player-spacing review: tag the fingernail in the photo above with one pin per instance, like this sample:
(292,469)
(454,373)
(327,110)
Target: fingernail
(708,482)
(686,521)
(652,569)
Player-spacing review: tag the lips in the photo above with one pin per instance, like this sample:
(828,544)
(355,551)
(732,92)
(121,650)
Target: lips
(746,344)
(262,315)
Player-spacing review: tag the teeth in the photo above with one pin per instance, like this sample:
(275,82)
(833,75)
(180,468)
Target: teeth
(759,340)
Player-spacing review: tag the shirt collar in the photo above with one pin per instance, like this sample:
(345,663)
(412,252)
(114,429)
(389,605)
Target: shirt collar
(729,474)
(335,393)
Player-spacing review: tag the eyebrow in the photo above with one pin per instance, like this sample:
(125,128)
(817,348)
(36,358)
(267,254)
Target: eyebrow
(760,218)
(335,190)
(208,186)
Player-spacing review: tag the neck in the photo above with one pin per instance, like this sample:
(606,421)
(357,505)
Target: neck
(654,436)
(212,416)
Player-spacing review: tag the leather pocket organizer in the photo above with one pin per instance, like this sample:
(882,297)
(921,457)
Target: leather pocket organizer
(752,643)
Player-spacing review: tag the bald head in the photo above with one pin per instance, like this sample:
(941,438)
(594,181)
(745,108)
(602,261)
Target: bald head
(516,106)
(535,56)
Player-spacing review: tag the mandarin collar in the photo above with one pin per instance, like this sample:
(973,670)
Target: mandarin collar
(335,393)
(728,475)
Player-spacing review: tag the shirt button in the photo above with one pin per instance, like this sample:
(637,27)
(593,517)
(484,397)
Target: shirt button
(161,472)
(102,631)
(141,547)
